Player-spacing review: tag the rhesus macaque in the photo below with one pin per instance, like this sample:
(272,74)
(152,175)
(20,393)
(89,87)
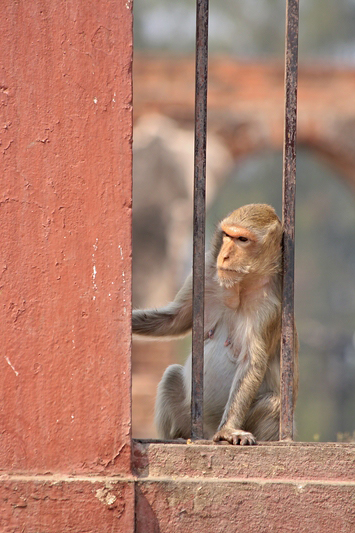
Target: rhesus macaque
(242,335)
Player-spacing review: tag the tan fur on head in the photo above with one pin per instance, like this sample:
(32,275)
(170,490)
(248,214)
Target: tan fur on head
(250,243)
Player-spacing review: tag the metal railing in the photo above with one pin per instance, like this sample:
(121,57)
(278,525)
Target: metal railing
(288,218)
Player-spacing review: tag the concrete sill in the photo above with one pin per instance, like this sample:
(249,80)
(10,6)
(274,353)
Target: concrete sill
(268,488)
(331,462)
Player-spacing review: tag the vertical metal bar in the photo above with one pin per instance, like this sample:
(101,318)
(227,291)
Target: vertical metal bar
(199,219)
(288,216)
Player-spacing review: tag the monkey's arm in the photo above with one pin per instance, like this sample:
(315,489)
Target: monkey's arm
(243,391)
(172,320)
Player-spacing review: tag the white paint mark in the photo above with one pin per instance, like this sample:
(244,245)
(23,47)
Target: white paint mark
(128,4)
(95,100)
(114,98)
(123,282)
(9,362)
(94,270)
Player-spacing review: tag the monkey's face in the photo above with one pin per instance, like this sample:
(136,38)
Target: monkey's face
(250,244)
(239,248)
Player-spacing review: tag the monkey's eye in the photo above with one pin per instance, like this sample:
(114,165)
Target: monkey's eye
(242,239)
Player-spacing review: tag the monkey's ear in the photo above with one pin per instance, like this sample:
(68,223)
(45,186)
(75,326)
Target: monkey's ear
(274,232)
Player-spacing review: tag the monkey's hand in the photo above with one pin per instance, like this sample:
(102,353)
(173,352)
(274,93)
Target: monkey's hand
(235,436)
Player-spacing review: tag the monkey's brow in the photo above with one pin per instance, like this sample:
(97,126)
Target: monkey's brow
(237,231)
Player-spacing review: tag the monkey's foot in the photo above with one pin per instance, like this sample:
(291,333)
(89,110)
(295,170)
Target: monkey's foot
(235,436)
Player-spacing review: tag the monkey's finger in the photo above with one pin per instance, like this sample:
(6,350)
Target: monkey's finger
(222,436)
(248,440)
(235,437)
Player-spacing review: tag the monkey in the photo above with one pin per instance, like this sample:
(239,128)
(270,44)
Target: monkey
(242,334)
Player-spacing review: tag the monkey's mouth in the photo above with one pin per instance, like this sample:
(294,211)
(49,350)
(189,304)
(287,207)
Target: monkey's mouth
(226,275)
(223,269)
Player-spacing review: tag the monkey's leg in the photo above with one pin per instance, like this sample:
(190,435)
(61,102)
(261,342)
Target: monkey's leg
(172,412)
(263,418)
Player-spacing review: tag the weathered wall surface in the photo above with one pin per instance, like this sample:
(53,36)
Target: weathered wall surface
(65,207)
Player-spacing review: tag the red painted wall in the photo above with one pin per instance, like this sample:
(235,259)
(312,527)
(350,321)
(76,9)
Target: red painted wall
(65,208)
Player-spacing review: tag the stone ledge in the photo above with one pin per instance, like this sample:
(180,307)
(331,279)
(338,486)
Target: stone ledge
(328,462)
(269,488)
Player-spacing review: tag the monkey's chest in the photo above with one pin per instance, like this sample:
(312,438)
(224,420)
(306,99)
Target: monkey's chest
(226,360)
(227,341)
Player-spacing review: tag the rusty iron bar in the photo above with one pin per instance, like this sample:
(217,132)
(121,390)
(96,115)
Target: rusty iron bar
(198,283)
(288,218)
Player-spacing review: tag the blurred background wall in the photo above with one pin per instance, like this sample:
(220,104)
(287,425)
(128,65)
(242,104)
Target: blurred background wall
(244,165)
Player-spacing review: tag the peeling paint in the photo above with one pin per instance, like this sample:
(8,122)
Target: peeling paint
(105,496)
